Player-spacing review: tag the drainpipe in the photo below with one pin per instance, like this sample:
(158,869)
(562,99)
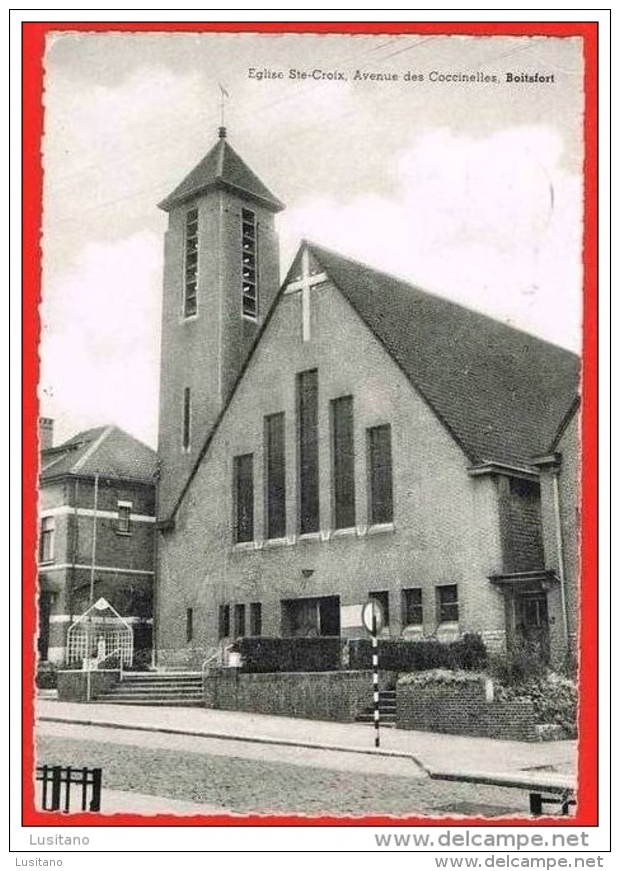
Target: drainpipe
(560,551)
(92,582)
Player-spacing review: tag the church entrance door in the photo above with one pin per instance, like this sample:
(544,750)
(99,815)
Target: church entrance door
(532,623)
(309,618)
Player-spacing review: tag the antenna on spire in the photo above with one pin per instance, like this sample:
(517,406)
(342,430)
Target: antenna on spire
(224,95)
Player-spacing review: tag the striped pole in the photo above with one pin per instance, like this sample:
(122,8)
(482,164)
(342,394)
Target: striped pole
(375,675)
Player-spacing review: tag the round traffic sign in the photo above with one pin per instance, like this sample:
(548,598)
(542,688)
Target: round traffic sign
(372,616)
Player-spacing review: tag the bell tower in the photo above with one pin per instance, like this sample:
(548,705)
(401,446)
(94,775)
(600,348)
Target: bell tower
(221,276)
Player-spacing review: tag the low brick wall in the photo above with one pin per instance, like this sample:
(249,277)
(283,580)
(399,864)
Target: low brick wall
(338,695)
(72,684)
(462,709)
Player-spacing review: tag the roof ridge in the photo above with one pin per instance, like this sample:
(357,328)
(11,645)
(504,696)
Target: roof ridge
(313,246)
(93,448)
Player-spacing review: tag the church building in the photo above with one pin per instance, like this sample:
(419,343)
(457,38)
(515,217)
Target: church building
(343,435)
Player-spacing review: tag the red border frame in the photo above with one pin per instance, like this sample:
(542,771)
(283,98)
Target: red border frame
(33,44)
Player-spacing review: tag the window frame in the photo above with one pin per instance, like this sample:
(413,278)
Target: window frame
(256,619)
(443,605)
(123,520)
(342,427)
(189,625)
(190,273)
(47,539)
(249,249)
(239,525)
(380,505)
(239,620)
(275,478)
(308,454)
(409,606)
(186,421)
(223,621)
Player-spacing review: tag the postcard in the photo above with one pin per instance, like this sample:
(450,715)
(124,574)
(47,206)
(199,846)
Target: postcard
(310,431)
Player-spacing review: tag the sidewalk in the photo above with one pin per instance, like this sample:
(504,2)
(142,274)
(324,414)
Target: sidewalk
(543,761)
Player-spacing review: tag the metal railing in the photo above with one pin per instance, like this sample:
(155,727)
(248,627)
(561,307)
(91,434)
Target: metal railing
(218,657)
(56,798)
(117,652)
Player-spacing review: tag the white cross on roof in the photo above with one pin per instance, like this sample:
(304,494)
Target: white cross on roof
(303,286)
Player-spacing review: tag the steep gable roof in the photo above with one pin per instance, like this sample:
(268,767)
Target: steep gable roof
(107,451)
(501,392)
(222,167)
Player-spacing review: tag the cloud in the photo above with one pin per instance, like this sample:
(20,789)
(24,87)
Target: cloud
(491,222)
(100,337)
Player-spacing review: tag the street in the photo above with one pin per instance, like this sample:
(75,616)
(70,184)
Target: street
(251,778)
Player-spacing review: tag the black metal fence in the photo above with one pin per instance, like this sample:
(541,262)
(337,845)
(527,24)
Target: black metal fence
(57,793)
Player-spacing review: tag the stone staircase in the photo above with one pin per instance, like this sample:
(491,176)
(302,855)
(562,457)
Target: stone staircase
(180,689)
(387,710)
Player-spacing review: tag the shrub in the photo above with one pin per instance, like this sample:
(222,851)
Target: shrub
(522,663)
(46,677)
(468,653)
(439,677)
(554,698)
(264,654)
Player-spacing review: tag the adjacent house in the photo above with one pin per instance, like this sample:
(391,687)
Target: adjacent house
(96,537)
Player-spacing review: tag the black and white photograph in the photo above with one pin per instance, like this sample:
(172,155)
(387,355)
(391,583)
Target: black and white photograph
(310,415)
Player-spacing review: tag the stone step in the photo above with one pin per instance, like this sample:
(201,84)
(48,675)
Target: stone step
(161,683)
(139,694)
(159,678)
(158,702)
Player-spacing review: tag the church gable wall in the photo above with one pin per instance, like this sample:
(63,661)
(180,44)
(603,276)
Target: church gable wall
(445,528)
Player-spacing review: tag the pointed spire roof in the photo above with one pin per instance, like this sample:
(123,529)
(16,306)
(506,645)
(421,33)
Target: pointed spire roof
(222,168)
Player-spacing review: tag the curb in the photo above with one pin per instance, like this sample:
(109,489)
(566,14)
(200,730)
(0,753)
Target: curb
(284,742)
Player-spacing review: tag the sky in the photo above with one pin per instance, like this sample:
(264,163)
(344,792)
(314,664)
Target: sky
(471,190)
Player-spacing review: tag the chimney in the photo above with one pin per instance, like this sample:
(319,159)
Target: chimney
(46,433)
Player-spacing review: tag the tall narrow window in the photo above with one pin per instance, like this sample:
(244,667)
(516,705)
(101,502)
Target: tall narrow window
(256,618)
(46,542)
(343,455)
(224,621)
(187,419)
(190,298)
(412,607)
(189,625)
(123,523)
(447,603)
(275,475)
(239,621)
(308,450)
(249,264)
(380,474)
(244,497)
